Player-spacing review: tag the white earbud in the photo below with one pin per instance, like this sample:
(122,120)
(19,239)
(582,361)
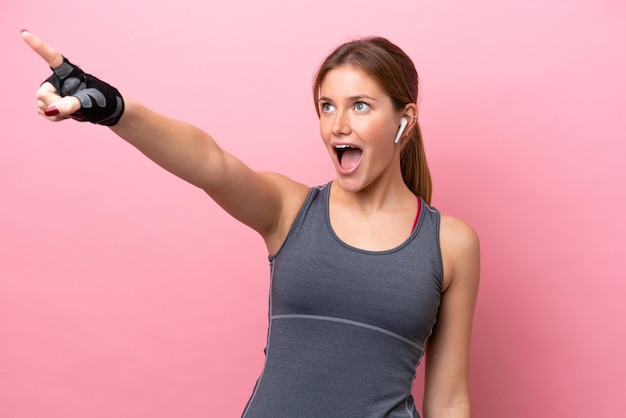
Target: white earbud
(403,122)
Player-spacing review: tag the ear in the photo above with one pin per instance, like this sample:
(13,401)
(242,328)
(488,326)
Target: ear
(410,112)
(407,122)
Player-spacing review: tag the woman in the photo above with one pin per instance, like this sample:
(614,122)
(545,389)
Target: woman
(363,271)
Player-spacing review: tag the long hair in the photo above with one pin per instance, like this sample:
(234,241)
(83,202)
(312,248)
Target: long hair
(396,74)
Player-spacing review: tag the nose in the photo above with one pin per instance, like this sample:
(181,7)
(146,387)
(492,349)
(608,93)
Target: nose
(341,124)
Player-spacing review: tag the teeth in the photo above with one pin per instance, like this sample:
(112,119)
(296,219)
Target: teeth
(343,146)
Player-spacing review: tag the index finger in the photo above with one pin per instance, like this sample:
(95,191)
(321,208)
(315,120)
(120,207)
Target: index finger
(45,51)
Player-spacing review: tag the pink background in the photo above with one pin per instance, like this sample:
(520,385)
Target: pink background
(125,292)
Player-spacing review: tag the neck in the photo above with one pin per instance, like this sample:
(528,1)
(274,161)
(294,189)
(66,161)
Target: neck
(378,196)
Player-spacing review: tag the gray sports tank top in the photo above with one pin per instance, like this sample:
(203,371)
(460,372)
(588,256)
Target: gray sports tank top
(347,327)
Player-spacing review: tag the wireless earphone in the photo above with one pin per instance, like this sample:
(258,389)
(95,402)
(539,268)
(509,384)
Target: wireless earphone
(403,122)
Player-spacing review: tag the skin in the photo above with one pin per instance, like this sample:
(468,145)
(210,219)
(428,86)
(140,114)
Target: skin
(355,111)
(370,206)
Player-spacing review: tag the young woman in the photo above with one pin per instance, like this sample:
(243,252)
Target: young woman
(365,276)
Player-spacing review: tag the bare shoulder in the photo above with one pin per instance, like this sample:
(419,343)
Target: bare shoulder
(460,249)
(455,232)
(292,192)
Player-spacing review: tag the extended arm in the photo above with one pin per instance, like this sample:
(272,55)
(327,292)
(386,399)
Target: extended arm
(447,358)
(266,202)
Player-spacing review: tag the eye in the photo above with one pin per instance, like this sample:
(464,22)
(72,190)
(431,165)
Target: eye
(361,106)
(327,107)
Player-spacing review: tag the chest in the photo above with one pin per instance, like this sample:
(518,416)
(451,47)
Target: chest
(318,274)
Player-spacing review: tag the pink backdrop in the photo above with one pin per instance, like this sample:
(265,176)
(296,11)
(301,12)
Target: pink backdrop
(125,292)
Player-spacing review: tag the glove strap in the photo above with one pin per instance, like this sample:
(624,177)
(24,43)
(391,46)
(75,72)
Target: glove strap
(100,102)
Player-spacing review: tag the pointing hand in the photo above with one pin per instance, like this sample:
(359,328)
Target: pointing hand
(70,92)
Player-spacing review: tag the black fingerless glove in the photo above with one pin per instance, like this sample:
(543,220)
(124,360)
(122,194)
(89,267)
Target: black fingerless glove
(100,102)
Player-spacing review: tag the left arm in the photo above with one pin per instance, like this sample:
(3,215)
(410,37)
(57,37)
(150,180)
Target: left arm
(447,358)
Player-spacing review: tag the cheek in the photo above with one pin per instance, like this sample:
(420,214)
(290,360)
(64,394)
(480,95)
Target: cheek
(325,130)
(376,133)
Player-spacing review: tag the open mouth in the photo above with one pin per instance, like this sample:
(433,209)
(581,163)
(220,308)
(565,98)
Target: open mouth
(348,156)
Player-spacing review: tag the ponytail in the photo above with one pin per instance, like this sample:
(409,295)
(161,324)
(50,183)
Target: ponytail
(415,172)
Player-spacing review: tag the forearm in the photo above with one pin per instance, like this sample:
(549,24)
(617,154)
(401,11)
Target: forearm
(178,147)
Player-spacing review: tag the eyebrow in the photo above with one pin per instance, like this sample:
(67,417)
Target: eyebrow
(351,98)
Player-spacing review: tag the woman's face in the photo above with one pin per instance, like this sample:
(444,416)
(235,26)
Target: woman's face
(358,123)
